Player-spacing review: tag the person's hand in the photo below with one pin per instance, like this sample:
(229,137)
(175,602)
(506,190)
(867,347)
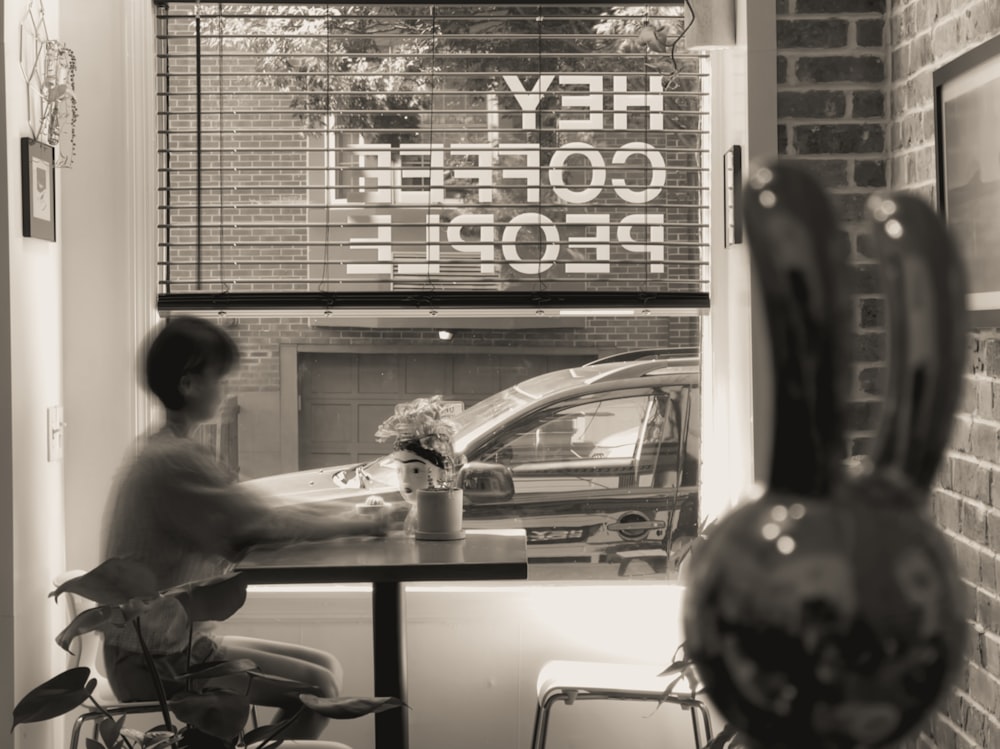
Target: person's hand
(380,522)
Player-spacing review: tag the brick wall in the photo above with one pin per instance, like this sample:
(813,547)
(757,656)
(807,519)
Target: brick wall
(259,340)
(833,120)
(855,104)
(923,35)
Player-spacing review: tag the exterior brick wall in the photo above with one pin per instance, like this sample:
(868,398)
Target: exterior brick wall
(260,339)
(924,35)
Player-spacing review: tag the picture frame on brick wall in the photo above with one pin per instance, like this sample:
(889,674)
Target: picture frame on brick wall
(967,143)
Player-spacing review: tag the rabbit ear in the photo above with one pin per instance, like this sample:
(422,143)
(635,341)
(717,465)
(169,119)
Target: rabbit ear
(796,248)
(925,286)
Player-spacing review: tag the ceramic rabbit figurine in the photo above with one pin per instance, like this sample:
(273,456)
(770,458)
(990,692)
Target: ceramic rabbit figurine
(828,613)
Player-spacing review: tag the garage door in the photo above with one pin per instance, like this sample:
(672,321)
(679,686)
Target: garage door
(344,397)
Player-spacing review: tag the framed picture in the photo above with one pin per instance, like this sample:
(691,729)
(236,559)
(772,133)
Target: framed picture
(38,189)
(967,110)
(732,167)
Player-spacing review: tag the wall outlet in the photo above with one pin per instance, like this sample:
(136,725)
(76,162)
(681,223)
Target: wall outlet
(55,428)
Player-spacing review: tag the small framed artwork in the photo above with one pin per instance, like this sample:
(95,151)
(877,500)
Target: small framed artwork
(732,168)
(38,189)
(966,111)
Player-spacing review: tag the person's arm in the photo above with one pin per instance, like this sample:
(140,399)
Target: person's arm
(206,509)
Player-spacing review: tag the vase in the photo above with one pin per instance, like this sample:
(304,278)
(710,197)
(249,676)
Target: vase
(413,473)
(439,515)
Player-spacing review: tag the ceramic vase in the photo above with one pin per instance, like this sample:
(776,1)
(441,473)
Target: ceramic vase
(828,613)
(439,515)
(414,473)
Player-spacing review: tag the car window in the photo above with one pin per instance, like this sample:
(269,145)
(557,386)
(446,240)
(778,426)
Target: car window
(579,447)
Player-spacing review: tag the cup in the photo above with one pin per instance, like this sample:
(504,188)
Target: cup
(439,515)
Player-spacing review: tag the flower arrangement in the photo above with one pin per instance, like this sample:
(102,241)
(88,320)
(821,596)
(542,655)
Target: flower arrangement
(423,428)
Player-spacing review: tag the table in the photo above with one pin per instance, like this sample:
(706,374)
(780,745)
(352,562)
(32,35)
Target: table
(387,563)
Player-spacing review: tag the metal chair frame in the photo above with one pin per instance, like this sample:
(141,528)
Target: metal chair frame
(568,693)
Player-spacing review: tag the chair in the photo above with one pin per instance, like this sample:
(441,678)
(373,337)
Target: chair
(89,654)
(570,681)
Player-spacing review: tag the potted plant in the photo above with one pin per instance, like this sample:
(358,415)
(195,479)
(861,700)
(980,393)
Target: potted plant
(203,715)
(421,432)
(686,682)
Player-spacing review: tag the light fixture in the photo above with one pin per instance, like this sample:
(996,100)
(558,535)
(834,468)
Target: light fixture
(445,335)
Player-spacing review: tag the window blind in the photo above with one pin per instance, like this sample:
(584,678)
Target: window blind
(320,156)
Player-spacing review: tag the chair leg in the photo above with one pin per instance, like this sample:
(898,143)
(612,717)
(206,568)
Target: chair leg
(74,738)
(542,723)
(703,733)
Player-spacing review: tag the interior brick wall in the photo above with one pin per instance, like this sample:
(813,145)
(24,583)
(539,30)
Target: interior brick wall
(855,105)
(924,35)
(833,119)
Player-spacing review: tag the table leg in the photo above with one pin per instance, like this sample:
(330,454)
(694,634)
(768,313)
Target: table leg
(388,642)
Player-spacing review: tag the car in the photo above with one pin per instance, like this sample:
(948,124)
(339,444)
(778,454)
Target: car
(602,460)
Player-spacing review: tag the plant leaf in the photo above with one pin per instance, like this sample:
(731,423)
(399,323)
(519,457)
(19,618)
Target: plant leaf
(722,737)
(87,621)
(343,708)
(154,738)
(55,697)
(112,582)
(675,667)
(213,599)
(111,729)
(260,736)
(192,738)
(274,691)
(219,712)
(215,669)
(91,744)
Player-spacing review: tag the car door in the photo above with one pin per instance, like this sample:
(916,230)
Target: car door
(585,473)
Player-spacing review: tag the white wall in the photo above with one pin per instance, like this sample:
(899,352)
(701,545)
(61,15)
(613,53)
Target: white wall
(35,530)
(108,289)
(473,654)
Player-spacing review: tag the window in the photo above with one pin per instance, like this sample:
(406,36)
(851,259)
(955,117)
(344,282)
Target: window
(344,182)
(317,156)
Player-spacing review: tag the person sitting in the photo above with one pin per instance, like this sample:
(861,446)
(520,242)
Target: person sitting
(178,510)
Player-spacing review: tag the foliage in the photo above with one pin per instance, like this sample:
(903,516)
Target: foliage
(210,716)
(686,681)
(422,426)
(375,66)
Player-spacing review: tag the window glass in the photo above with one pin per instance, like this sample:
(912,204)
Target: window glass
(312,153)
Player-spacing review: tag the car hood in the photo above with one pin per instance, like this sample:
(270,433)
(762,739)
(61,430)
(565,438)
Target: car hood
(332,483)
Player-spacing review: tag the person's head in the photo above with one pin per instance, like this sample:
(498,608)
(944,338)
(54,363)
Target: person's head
(185,364)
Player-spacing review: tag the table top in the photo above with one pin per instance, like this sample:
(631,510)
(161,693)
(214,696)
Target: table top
(481,555)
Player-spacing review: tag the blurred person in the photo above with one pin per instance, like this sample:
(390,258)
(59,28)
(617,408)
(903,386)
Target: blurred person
(182,513)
